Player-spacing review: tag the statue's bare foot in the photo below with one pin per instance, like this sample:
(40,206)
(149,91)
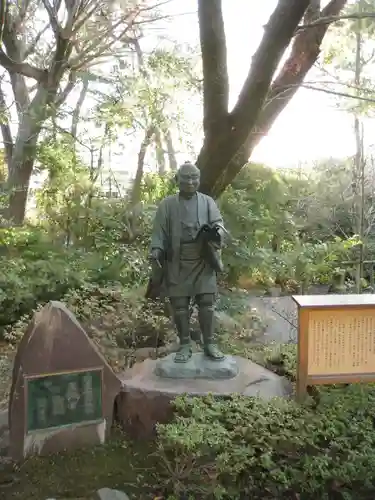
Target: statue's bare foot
(213,352)
(183,354)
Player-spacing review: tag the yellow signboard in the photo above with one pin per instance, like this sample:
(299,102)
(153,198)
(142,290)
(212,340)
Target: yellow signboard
(336,340)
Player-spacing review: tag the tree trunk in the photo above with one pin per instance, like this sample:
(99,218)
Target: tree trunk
(136,191)
(358,170)
(77,110)
(24,152)
(230,137)
(20,171)
(160,157)
(171,152)
(5,129)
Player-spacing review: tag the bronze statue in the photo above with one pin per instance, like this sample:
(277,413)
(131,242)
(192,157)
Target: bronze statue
(187,236)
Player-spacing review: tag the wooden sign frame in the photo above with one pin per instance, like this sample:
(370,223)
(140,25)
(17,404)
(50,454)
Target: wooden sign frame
(337,308)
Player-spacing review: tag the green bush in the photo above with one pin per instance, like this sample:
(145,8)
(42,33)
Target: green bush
(34,269)
(241,448)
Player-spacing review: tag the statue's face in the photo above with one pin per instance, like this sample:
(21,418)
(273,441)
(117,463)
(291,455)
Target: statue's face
(188,179)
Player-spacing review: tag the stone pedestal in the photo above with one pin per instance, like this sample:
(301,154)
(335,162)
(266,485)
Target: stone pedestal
(198,367)
(145,396)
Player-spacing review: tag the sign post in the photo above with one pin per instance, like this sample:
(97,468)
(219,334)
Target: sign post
(336,340)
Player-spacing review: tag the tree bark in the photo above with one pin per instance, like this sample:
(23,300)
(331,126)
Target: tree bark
(23,157)
(171,151)
(78,107)
(136,191)
(31,114)
(228,146)
(15,51)
(358,167)
(5,129)
(160,157)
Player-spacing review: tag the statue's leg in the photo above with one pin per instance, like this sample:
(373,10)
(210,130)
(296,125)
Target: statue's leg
(206,306)
(181,315)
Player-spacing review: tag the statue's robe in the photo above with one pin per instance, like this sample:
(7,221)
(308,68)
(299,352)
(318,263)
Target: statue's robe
(176,225)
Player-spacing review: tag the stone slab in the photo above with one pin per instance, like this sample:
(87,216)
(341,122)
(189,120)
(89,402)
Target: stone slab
(145,397)
(198,367)
(55,343)
(109,494)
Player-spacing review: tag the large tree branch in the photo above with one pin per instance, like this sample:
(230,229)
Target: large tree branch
(277,35)
(78,107)
(21,68)
(12,60)
(214,59)
(304,53)
(62,96)
(13,48)
(261,100)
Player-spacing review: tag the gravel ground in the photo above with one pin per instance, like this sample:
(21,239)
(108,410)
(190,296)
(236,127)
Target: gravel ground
(280,317)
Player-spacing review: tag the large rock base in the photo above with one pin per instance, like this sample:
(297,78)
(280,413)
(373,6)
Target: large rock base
(145,397)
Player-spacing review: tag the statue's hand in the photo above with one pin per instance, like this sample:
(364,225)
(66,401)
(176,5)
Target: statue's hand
(220,233)
(156,255)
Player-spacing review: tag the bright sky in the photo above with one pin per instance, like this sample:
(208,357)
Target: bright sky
(310,127)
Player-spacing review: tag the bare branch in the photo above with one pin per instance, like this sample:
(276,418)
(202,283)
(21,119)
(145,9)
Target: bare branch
(77,110)
(52,18)
(322,21)
(84,57)
(62,96)
(75,27)
(337,93)
(23,7)
(31,48)
(74,7)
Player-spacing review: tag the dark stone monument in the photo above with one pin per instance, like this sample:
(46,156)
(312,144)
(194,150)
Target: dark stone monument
(63,390)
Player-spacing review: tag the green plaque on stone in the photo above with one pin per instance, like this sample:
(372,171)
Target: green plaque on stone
(63,399)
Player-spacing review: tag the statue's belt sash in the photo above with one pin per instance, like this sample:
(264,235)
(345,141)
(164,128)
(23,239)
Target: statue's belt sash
(190,251)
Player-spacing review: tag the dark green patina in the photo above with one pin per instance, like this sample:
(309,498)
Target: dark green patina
(63,399)
(179,251)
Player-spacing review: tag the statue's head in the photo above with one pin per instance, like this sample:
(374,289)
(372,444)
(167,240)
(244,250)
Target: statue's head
(188,179)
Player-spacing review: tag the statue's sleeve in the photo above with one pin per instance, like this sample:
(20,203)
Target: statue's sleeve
(214,212)
(159,235)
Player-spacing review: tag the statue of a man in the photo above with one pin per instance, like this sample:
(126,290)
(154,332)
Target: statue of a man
(180,251)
